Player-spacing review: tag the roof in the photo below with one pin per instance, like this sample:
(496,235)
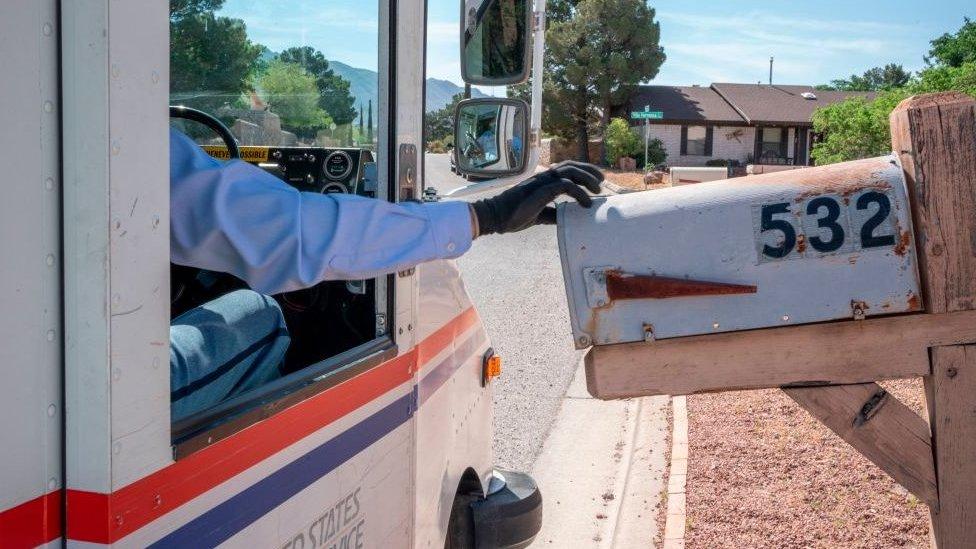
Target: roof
(686,104)
(776,104)
(737,104)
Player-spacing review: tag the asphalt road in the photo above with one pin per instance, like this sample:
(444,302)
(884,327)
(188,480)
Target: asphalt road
(516,282)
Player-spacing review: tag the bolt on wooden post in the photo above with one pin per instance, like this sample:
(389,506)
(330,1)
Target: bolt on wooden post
(858,272)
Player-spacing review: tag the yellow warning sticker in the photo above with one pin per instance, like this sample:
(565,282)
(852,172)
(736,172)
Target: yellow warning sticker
(248,154)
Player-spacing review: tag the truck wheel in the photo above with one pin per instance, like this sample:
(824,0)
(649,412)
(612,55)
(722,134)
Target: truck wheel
(460,529)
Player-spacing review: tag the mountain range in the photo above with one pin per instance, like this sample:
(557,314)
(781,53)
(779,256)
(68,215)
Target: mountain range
(363,86)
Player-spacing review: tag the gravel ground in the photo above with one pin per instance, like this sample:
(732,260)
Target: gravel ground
(631,180)
(762,472)
(661,514)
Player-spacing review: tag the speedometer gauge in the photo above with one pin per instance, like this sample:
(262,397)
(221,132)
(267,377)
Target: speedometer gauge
(338,165)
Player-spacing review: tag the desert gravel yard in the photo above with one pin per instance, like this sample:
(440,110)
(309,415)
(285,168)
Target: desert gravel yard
(631,180)
(763,473)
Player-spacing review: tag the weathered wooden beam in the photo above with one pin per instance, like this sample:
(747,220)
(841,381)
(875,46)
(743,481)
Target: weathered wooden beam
(952,392)
(881,428)
(935,139)
(858,351)
(934,136)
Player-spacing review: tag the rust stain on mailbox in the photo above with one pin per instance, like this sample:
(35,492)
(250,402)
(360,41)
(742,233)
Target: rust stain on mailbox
(629,286)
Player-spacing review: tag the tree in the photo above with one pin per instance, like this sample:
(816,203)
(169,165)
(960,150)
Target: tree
(179,9)
(439,124)
(211,57)
(877,79)
(369,123)
(334,95)
(855,128)
(944,78)
(600,51)
(858,128)
(954,50)
(292,94)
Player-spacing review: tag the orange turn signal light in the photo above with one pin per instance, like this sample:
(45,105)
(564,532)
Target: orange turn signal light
(491,367)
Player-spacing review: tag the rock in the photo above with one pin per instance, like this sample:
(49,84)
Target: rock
(654,178)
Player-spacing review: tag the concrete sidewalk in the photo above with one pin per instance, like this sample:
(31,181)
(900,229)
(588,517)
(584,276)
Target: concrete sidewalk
(601,471)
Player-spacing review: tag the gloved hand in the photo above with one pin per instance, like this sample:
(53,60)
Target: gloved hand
(527,203)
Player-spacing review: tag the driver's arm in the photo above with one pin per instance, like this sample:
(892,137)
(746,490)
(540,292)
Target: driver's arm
(233,217)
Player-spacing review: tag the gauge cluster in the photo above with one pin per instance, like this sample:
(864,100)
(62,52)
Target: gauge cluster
(311,169)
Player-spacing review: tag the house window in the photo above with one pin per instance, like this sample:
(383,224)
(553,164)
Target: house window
(772,145)
(696,141)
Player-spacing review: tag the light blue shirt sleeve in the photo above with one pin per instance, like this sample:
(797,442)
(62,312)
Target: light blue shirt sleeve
(236,218)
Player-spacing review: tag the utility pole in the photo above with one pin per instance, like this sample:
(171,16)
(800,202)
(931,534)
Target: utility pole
(770,71)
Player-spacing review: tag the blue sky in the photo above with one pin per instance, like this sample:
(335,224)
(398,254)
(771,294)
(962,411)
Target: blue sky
(720,40)
(813,41)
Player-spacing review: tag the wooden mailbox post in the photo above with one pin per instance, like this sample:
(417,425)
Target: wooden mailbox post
(830,368)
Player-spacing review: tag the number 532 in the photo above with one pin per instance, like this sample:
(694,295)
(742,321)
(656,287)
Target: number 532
(824,225)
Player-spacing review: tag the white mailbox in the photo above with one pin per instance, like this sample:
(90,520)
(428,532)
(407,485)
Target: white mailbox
(771,250)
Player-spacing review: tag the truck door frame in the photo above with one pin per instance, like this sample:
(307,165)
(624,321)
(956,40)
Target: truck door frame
(115,83)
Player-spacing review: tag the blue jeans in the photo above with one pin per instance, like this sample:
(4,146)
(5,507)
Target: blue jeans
(223,348)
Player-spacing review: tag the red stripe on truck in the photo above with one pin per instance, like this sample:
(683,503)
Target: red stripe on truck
(106,518)
(32,523)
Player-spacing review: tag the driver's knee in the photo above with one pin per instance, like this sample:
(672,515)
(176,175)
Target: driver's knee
(225,347)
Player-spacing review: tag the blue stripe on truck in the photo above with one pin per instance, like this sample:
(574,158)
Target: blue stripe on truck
(233,515)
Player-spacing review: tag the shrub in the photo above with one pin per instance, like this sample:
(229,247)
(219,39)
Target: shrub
(655,154)
(621,141)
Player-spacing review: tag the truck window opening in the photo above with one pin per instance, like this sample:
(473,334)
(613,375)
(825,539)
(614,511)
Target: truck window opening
(299,95)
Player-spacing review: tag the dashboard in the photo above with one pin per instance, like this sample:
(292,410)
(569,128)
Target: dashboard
(311,169)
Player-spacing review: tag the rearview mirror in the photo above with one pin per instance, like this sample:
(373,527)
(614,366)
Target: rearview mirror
(495,41)
(490,137)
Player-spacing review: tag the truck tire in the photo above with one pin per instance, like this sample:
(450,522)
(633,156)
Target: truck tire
(460,528)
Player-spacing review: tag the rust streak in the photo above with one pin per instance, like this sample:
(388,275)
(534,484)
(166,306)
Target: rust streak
(801,243)
(904,241)
(626,286)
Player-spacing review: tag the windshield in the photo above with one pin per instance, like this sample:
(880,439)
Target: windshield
(278,73)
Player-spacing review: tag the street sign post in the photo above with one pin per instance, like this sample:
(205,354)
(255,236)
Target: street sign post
(647,115)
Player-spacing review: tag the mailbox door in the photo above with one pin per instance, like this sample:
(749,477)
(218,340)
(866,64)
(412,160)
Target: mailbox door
(795,247)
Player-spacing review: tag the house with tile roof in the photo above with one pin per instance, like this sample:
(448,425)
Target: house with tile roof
(746,123)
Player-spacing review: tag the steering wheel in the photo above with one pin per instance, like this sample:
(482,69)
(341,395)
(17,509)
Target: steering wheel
(211,122)
(189,286)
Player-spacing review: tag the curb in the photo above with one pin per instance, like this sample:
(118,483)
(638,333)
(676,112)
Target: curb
(601,467)
(617,189)
(674,526)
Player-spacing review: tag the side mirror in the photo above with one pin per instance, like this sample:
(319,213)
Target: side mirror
(495,41)
(490,137)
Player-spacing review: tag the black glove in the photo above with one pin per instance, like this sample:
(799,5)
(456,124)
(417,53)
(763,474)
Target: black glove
(527,203)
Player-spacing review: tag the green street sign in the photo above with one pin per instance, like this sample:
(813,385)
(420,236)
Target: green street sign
(652,115)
